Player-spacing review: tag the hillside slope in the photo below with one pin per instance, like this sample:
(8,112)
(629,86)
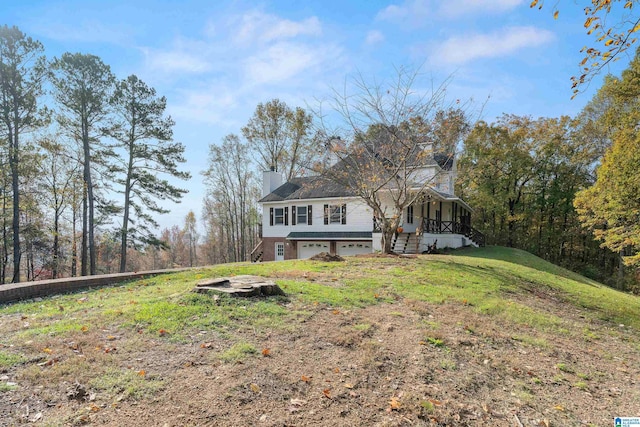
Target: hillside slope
(484,337)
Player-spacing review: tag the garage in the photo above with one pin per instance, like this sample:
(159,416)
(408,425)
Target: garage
(309,249)
(353,248)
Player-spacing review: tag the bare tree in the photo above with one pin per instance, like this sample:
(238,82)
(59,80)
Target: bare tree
(383,144)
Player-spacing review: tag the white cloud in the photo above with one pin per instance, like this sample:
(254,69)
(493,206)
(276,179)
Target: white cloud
(454,8)
(82,32)
(240,61)
(418,12)
(283,61)
(415,10)
(462,49)
(260,27)
(374,37)
(175,61)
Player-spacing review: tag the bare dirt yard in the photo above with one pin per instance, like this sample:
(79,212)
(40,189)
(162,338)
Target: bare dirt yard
(399,362)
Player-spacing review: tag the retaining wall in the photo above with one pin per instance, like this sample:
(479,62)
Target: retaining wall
(19,291)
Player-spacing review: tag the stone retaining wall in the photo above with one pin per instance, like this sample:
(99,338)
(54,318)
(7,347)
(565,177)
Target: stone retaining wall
(20,291)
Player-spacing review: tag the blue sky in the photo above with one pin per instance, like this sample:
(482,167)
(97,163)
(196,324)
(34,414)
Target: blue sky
(215,60)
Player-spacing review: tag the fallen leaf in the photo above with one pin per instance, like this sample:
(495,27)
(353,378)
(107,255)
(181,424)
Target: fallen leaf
(559,408)
(84,329)
(111,338)
(347,385)
(47,350)
(305,378)
(206,345)
(162,332)
(435,402)
(266,352)
(336,312)
(395,404)
(376,296)
(94,407)
(142,373)
(544,423)
(255,388)
(327,393)
(336,370)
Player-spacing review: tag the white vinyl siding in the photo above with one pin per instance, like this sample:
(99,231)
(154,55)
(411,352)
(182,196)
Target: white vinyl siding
(359,217)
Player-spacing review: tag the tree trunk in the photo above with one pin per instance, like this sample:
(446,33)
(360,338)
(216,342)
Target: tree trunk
(84,250)
(15,188)
(56,244)
(125,218)
(90,197)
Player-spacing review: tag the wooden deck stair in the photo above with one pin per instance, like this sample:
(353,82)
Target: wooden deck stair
(257,252)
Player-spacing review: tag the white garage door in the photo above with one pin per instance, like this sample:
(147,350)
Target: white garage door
(353,248)
(309,249)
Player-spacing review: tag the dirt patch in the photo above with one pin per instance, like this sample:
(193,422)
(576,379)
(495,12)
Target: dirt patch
(407,363)
(327,257)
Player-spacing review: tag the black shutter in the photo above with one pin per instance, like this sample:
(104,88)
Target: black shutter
(309,213)
(294,213)
(326,214)
(344,214)
(286,215)
(271,216)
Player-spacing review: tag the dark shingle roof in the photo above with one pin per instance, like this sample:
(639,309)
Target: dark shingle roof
(313,187)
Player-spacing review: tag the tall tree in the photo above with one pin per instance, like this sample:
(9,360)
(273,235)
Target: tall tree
(191,232)
(497,166)
(232,194)
(60,175)
(82,86)
(610,208)
(146,135)
(384,144)
(281,137)
(21,75)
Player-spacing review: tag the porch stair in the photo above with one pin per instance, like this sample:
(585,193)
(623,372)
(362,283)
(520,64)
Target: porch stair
(257,252)
(476,237)
(405,243)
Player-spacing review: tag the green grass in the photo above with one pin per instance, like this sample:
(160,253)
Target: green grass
(4,387)
(238,352)
(7,360)
(127,383)
(491,281)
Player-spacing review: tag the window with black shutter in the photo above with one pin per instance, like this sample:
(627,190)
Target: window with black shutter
(293,215)
(271,216)
(326,214)
(278,216)
(286,215)
(309,216)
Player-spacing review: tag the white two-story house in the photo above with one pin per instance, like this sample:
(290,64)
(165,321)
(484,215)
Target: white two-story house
(309,215)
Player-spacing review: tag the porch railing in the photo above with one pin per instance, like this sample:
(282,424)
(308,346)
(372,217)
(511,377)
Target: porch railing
(256,253)
(445,227)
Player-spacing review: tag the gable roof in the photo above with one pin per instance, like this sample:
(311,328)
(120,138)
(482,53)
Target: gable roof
(313,187)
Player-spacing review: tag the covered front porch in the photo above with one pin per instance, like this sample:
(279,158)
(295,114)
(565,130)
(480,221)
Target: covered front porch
(435,219)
